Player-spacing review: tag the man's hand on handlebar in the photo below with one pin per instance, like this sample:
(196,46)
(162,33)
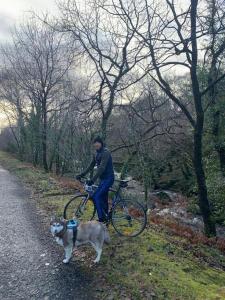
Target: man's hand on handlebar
(89,182)
(78,177)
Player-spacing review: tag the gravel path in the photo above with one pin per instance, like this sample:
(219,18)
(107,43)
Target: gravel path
(30,261)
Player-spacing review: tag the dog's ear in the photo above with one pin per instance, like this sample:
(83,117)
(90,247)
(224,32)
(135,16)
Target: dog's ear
(52,219)
(63,220)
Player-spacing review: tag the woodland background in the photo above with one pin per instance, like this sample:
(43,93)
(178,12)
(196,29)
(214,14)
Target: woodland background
(148,76)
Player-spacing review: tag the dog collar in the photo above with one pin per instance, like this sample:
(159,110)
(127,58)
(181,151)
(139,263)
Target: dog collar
(61,233)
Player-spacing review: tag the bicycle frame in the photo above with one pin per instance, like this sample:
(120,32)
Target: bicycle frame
(116,198)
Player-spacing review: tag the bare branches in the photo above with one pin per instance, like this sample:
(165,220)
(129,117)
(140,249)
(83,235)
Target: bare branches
(111,45)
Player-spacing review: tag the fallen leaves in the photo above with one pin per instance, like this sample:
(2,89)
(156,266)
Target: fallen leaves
(194,237)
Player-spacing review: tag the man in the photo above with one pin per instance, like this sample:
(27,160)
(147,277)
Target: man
(103,159)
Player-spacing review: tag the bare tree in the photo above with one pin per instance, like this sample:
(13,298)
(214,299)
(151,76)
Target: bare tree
(40,58)
(110,47)
(14,105)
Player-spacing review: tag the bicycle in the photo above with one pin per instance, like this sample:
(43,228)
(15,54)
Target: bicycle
(128,217)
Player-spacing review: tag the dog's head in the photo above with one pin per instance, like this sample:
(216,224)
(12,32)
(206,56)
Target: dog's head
(57,225)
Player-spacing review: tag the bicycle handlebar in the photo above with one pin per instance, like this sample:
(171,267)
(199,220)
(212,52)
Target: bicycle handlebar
(84,182)
(88,188)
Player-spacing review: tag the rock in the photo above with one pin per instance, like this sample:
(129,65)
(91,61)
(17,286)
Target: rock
(163,212)
(174,214)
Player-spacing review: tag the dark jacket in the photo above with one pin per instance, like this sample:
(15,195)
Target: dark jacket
(103,159)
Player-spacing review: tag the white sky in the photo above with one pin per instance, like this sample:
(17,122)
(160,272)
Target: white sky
(12,11)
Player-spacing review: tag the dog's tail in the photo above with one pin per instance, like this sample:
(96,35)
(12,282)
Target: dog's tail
(106,235)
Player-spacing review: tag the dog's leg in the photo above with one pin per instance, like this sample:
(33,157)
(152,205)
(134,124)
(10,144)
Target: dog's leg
(98,249)
(99,253)
(68,254)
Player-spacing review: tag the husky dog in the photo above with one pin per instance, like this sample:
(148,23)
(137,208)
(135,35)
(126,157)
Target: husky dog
(91,232)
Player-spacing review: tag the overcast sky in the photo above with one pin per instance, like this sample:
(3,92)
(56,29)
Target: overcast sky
(12,11)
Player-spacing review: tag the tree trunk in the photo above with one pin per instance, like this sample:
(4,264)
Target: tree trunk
(216,116)
(106,115)
(221,153)
(35,160)
(44,137)
(209,225)
(22,134)
(57,164)
(217,144)
(36,134)
(104,127)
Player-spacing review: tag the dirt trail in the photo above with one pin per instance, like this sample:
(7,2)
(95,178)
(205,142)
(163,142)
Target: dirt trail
(30,261)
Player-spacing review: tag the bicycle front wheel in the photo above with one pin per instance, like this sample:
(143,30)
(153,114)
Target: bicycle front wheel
(80,208)
(129,218)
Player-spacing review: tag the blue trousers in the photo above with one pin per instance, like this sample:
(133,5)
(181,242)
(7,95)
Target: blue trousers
(100,198)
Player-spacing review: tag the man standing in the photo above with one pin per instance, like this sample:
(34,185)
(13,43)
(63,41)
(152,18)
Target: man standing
(103,159)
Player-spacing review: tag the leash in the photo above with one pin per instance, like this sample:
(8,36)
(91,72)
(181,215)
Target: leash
(74,235)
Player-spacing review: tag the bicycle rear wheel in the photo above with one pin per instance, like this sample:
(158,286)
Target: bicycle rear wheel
(129,218)
(80,208)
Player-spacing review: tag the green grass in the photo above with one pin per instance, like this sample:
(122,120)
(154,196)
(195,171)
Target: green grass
(36,177)
(154,265)
(41,183)
(167,270)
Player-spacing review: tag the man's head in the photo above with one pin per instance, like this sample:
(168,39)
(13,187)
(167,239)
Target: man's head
(98,143)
